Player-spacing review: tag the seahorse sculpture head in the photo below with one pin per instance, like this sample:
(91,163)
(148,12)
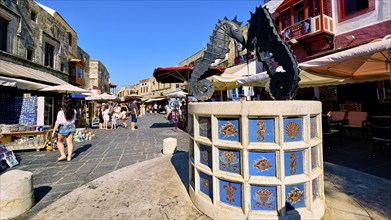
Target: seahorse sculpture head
(216,49)
(264,37)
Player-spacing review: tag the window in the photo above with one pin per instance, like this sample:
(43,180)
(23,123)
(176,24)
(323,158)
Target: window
(314,8)
(49,55)
(351,8)
(62,67)
(298,11)
(30,54)
(70,38)
(33,16)
(285,19)
(3,34)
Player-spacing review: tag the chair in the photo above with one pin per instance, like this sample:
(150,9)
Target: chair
(336,118)
(355,120)
(380,127)
(327,131)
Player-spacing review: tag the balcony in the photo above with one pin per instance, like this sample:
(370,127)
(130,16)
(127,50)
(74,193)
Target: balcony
(309,27)
(76,80)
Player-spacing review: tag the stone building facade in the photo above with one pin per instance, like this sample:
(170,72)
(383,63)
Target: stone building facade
(144,88)
(99,76)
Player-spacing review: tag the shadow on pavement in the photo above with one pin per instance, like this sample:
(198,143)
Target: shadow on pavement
(81,149)
(180,160)
(161,125)
(41,192)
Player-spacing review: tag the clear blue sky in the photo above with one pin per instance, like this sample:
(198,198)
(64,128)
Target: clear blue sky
(132,38)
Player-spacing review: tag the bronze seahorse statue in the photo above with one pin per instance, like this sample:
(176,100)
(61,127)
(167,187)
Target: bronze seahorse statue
(216,49)
(264,38)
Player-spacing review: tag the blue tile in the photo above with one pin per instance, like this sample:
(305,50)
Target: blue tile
(262,163)
(229,160)
(231,193)
(261,130)
(263,197)
(206,184)
(314,157)
(295,197)
(313,127)
(293,129)
(315,188)
(190,125)
(205,127)
(293,162)
(228,129)
(206,155)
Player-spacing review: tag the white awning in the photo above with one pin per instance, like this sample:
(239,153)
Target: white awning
(365,61)
(155,99)
(19,71)
(20,83)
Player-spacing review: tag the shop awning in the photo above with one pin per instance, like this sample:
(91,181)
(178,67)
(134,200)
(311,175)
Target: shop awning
(20,83)
(26,73)
(154,99)
(102,97)
(181,74)
(367,61)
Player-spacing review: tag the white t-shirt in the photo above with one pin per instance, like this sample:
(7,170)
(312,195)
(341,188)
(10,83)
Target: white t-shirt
(62,120)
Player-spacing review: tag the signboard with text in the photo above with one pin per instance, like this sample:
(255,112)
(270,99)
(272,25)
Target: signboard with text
(297,30)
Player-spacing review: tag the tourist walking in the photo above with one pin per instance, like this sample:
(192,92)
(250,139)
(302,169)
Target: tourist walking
(133,114)
(123,117)
(175,117)
(100,116)
(106,117)
(65,127)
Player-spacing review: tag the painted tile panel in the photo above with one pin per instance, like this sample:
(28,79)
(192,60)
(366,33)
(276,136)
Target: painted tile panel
(293,129)
(261,130)
(315,188)
(229,129)
(206,155)
(190,128)
(313,127)
(229,160)
(294,162)
(262,163)
(206,184)
(231,193)
(295,196)
(263,197)
(205,129)
(314,157)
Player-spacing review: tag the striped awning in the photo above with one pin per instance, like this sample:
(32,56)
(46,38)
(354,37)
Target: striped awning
(18,71)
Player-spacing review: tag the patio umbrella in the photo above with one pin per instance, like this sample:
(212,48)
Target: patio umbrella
(65,88)
(177,94)
(181,74)
(102,97)
(364,61)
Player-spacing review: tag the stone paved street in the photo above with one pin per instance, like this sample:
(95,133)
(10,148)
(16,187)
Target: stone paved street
(111,150)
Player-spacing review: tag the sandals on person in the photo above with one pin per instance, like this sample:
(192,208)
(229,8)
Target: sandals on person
(61,158)
(69,158)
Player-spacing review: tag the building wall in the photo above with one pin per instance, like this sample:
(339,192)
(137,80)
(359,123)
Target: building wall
(25,34)
(99,76)
(85,59)
(144,88)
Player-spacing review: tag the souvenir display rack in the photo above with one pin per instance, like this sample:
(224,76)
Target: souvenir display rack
(24,140)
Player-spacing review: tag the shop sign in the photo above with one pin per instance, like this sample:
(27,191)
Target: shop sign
(297,30)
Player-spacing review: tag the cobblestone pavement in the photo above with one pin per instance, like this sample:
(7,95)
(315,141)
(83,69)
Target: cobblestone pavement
(111,150)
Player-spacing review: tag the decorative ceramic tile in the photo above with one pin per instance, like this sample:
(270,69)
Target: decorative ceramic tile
(313,127)
(261,130)
(205,127)
(191,150)
(228,129)
(262,163)
(190,128)
(295,197)
(206,155)
(192,180)
(293,129)
(231,193)
(263,197)
(206,184)
(229,160)
(314,157)
(294,162)
(315,188)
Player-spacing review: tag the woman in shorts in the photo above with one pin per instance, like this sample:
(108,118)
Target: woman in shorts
(65,127)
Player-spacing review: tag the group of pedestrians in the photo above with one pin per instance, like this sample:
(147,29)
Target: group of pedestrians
(111,113)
